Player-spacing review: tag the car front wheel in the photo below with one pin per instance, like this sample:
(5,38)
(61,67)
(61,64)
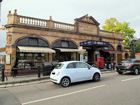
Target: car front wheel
(96,77)
(136,71)
(65,82)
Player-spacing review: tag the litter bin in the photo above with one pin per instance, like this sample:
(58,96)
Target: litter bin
(47,68)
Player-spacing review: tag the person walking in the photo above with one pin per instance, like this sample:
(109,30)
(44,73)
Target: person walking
(15,71)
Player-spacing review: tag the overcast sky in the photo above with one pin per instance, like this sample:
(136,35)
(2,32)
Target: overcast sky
(67,10)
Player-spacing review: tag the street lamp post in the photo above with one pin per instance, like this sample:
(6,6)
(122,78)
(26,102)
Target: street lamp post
(133,49)
(0,11)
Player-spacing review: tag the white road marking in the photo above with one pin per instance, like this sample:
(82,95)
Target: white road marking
(48,98)
(130,79)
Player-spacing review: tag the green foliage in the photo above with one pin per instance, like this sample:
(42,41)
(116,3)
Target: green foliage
(113,25)
(137,47)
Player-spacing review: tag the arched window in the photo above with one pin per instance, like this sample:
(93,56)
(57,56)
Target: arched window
(32,42)
(110,47)
(126,55)
(64,44)
(119,48)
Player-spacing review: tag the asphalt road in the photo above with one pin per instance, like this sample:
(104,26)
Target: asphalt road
(113,89)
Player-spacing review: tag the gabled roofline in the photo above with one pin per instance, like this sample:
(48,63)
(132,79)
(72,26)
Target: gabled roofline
(80,19)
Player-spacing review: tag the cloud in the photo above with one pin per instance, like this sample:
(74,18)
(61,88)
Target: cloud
(67,10)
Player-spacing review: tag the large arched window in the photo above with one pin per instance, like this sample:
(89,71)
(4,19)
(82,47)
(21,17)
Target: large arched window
(32,42)
(119,48)
(110,47)
(64,44)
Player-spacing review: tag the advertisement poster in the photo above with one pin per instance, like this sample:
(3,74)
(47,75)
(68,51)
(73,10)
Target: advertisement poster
(8,59)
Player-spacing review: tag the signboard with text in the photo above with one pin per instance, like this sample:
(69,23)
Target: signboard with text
(94,43)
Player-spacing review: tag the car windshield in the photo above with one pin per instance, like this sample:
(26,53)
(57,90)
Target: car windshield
(126,61)
(59,66)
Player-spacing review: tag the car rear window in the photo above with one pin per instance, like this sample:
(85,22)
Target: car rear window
(59,66)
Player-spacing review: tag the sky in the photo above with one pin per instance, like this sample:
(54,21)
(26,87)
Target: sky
(67,10)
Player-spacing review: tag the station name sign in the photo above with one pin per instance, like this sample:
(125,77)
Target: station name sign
(94,43)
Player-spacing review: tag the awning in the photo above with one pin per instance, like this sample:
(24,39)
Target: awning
(67,50)
(35,49)
(2,49)
(113,52)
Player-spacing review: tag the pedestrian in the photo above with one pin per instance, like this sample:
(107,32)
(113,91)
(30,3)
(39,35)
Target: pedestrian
(112,64)
(108,63)
(15,71)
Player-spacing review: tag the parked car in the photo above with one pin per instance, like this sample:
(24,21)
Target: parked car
(48,67)
(130,65)
(69,72)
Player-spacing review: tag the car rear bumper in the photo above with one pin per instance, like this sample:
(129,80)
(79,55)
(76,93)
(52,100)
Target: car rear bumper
(124,70)
(55,79)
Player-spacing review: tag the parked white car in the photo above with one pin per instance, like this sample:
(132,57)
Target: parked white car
(69,72)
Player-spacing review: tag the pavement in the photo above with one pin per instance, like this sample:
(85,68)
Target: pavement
(31,79)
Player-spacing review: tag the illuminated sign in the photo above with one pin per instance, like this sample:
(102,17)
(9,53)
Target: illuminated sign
(93,43)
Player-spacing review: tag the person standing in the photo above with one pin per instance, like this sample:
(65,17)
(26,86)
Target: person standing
(15,71)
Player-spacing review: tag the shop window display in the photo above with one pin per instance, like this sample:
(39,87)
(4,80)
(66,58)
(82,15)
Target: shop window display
(30,61)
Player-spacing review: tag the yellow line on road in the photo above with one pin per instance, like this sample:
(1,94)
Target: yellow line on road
(3,88)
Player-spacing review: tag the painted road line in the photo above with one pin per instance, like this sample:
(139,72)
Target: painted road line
(130,79)
(3,88)
(48,98)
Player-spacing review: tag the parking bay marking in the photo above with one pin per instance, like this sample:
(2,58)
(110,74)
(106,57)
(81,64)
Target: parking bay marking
(130,79)
(26,103)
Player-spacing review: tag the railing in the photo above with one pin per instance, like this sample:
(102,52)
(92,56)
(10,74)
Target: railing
(110,34)
(32,21)
(44,23)
(106,65)
(63,26)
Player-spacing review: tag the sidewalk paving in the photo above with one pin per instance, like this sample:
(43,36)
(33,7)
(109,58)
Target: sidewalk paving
(31,79)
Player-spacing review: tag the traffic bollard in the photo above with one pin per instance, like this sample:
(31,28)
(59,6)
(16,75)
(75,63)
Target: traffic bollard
(38,71)
(2,75)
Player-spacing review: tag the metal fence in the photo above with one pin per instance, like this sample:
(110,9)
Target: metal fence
(45,70)
(108,65)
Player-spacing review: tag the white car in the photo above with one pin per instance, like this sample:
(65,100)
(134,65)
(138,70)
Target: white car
(69,72)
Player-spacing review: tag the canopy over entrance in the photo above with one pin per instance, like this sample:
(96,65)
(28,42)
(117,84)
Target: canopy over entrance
(67,50)
(113,52)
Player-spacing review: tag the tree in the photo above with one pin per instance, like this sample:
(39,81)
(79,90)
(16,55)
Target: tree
(112,24)
(137,47)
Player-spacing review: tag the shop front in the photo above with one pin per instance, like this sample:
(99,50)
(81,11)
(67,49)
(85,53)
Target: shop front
(65,51)
(101,49)
(31,53)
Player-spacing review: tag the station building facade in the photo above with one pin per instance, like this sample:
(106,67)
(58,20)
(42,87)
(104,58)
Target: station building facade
(32,41)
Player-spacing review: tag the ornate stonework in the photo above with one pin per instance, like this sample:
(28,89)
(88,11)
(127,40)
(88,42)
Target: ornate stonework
(9,39)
